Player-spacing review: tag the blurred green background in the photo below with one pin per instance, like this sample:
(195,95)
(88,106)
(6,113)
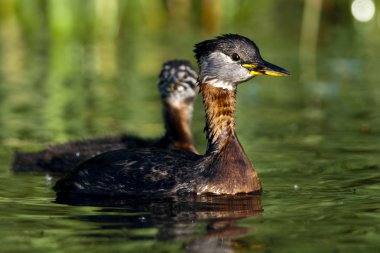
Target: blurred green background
(76,69)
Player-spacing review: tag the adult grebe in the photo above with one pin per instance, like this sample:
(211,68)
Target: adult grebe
(177,86)
(224,62)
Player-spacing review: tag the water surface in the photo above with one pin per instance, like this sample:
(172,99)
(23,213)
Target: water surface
(82,70)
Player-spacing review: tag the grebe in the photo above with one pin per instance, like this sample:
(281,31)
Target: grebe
(177,86)
(224,62)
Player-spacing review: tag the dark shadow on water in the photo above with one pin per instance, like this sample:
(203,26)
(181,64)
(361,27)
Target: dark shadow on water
(205,223)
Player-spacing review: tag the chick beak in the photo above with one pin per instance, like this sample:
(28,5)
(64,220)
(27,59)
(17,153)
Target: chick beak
(265,68)
(172,87)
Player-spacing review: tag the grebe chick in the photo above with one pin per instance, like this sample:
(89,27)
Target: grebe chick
(178,89)
(224,62)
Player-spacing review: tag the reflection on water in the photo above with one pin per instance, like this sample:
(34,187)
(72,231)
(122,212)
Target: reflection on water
(176,219)
(77,69)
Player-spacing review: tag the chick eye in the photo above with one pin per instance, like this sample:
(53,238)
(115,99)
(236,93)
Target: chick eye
(235,57)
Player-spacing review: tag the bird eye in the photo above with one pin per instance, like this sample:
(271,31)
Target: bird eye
(235,57)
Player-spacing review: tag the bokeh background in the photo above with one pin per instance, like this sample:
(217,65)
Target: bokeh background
(77,69)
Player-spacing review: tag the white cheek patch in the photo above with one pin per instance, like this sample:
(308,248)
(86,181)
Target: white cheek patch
(216,60)
(219,84)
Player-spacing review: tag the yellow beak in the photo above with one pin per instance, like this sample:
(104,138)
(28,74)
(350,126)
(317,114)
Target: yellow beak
(265,68)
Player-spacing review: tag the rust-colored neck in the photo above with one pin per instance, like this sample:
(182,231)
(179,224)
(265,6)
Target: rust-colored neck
(177,125)
(229,170)
(220,105)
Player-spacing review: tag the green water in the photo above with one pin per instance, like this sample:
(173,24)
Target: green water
(78,69)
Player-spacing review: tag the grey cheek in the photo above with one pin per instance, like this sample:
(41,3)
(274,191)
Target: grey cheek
(212,67)
(237,73)
(244,73)
(234,73)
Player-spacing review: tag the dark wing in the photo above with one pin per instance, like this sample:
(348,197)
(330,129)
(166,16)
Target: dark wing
(64,157)
(130,172)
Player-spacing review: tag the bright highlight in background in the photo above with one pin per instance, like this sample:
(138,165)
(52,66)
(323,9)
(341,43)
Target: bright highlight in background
(363,10)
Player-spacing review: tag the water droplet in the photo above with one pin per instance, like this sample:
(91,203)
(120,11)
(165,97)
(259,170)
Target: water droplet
(48,177)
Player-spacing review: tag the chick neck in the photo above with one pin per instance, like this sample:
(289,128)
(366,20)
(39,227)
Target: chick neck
(177,117)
